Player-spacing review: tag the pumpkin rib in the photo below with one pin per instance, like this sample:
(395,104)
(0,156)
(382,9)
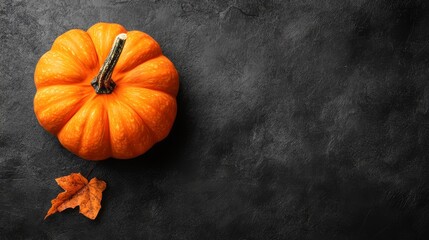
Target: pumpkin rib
(65,84)
(96,66)
(139,48)
(108,127)
(150,139)
(70,58)
(55,68)
(78,143)
(85,130)
(120,74)
(75,38)
(81,107)
(103,36)
(153,135)
(157,136)
(73,112)
(150,89)
(80,137)
(75,107)
(140,74)
(158,90)
(82,130)
(89,98)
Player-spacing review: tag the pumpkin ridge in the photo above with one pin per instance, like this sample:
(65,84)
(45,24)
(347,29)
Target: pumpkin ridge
(153,135)
(103,28)
(118,103)
(42,80)
(108,126)
(124,74)
(85,127)
(83,85)
(95,52)
(81,135)
(70,110)
(69,53)
(70,58)
(151,89)
(138,56)
(82,144)
(148,106)
(83,130)
(76,108)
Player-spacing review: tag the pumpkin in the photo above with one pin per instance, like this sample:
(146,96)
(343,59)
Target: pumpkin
(106,92)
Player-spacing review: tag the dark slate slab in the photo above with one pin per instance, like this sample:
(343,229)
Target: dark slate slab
(297,120)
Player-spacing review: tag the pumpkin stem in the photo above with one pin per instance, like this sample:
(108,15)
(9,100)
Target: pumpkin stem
(103,83)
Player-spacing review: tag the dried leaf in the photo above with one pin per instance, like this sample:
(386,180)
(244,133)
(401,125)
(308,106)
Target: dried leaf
(78,192)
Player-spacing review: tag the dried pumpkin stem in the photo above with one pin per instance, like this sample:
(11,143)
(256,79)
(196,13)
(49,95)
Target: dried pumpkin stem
(103,83)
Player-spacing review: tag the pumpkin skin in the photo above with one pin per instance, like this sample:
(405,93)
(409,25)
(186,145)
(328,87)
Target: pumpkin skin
(123,124)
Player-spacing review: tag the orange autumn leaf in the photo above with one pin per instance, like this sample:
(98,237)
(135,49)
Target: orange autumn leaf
(78,192)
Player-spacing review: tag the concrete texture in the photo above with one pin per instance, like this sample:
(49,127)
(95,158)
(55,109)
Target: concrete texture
(297,120)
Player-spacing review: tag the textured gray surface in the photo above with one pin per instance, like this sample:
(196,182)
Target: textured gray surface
(297,120)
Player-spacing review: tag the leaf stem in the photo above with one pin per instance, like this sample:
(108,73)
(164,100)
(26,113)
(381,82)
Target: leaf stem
(90,170)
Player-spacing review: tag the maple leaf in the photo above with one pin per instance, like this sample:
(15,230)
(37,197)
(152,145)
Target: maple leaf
(78,192)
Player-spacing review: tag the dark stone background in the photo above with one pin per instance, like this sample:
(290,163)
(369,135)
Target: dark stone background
(299,119)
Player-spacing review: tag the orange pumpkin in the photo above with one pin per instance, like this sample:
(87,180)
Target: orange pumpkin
(106,92)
